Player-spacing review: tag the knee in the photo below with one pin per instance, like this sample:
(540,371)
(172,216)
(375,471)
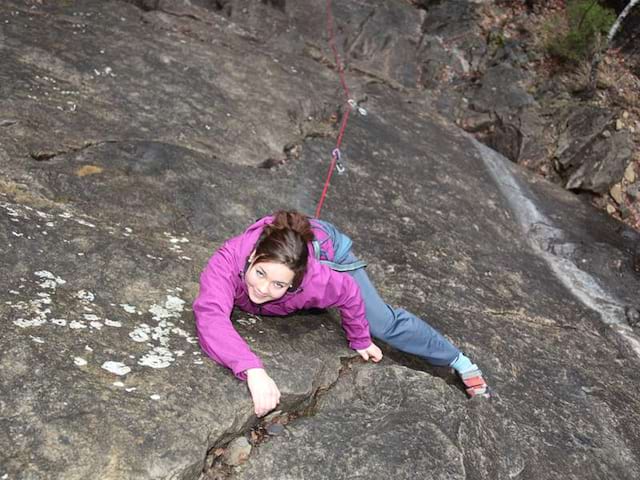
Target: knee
(384,322)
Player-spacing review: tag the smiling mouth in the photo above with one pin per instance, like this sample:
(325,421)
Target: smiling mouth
(259,295)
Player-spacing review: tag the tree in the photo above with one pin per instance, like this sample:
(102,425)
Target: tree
(597,58)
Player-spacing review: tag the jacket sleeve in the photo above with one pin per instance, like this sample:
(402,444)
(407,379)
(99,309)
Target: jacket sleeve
(212,310)
(342,292)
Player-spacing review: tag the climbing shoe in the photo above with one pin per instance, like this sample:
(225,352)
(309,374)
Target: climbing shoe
(474,383)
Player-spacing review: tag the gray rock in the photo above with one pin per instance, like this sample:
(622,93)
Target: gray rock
(633,191)
(633,316)
(135,154)
(587,158)
(502,89)
(237,452)
(275,429)
(602,164)
(521,137)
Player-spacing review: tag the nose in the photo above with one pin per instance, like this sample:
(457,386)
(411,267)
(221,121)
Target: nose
(262,287)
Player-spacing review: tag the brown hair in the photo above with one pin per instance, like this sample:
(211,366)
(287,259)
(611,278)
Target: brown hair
(285,241)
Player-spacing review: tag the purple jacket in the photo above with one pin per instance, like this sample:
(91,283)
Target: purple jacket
(222,287)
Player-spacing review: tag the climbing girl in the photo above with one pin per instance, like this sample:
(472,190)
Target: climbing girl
(288,262)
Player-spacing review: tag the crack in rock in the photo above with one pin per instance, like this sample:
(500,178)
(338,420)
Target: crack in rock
(44,155)
(258,431)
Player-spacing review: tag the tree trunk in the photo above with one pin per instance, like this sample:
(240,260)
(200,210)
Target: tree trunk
(600,52)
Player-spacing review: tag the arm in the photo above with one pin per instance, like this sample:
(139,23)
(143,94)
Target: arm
(343,293)
(220,340)
(212,310)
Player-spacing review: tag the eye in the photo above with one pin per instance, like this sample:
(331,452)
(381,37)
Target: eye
(259,273)
(279,285)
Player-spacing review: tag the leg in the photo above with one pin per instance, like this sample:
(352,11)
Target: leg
(402,329)
(408,333)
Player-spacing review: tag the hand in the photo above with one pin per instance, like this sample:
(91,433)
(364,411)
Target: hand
(371,352)
(264,392)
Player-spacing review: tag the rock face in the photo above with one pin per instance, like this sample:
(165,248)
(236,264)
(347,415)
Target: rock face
(482,71)
(131,135)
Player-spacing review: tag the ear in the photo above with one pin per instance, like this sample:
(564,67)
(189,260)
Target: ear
(248,263)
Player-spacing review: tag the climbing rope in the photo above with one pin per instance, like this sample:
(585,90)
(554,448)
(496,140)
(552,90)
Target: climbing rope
(335,154)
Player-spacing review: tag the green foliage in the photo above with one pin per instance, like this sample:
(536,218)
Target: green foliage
(576,37)
(495,39)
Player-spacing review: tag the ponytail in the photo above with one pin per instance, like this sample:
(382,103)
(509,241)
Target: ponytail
(285,241)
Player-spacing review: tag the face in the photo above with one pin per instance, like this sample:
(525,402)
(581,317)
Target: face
(268,281)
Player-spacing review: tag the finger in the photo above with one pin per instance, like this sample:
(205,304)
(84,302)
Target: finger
(365,355)
(261,407)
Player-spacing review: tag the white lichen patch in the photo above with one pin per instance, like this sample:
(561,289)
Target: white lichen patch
(142,333)
(128,308)
(79,361)
(159,357)
(90,317)
(175,242)
(118,384)
(85,296)
(45,298)
(37,310)
(247,321)
(76,325)
(112,323)
(174,239)
(84,222)
(130,389)
(10,211)
(95,324)
(49,280)
(24,323)
(88,348)
(59,321)
(172,308)
(117,368)
(155,396)
(37,339)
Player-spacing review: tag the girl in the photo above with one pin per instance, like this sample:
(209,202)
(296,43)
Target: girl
(288,262)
